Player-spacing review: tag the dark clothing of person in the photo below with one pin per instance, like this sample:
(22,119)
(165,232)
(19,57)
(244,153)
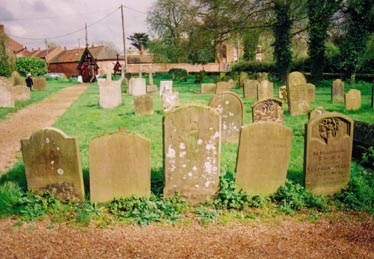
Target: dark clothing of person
(29,82)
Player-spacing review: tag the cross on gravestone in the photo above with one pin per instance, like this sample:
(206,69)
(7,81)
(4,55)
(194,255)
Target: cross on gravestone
(230,107)
(192,152)
(328,153)
(120,166)
(109,93)
(267,110)
(52,164)
(263,157)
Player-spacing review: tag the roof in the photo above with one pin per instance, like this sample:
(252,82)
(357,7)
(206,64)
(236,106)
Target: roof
(43,53)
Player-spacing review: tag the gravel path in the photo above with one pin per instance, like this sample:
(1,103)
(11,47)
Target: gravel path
(23,123)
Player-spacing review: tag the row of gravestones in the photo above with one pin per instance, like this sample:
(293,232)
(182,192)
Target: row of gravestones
(120,162)
(9,94)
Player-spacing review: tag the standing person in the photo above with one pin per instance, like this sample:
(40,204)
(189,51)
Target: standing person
(29,81)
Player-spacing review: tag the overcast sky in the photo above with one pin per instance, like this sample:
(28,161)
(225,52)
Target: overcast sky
(31,22)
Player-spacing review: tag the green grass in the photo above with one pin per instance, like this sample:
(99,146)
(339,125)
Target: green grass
(85,120)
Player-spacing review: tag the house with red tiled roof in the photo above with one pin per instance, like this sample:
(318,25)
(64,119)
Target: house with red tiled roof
(15,47)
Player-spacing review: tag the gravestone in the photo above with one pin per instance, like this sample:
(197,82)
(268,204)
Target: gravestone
(267,110)
(166,86)
(263,157)
(222,87)
(328,153)
(151,87)
(353,99)
(137,86)
(143,105)
(39,83)
(52,164)
(230,107)
(21,93)
(109,93)
(243,76)
(282,93)
(208,88)
(6,93)
(262,76)
(192,152)
(337,91)
(316,112)
(231,83)
(311,88)
(250,89)
(265,90)
(170,100)
(120,166)
(297,94)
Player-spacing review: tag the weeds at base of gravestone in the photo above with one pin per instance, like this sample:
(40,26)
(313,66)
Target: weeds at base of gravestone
(368,158)
(207,215)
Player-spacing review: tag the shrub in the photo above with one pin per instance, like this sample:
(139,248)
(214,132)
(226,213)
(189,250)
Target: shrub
(179,74)
(35,66)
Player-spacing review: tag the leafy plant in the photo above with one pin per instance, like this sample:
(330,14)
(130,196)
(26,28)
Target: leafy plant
(10,193)
(35,66)
(368,157)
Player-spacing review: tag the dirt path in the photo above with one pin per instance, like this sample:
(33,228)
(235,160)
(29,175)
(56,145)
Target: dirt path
(23,123)
(286,238)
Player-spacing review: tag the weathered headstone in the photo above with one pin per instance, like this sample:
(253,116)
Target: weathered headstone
(21,93)
(120,166)
(250,89)
(265,90)
(52,164)
(166,86)
(109,93)
(143,105)
(192,152)
(242,78)
(230,107)
(39,83)
(267,110)
(222,87)
(6,93)
(208,88)
(262,76)
(353,99)
(137,86)
(316,112)
(231,83)
(311,88)
(151,87)
(337,91)
(263,157)
(170,100)
(328,153)
(297,94)
(282,93)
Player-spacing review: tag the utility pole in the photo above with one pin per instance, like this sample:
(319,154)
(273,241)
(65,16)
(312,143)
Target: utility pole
(46,56)
(124,68)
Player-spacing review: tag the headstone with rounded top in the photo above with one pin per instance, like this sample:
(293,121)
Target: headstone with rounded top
(316,112)
(250,89)
(109,93)
(208,88)
(265,90)
(311,92)
(353,99)
(337,91)
(267,110)
(297,94)
(222,87)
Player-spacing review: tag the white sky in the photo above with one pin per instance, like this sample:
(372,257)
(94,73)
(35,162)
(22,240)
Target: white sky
(30,22)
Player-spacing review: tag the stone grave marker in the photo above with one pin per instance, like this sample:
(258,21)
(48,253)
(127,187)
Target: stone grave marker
(170,100)
(311,89)
(21,93)
(39,83)
(263,157)
(262,76)
(192,152)
(166,85)
(109,93)
(250,89)
(222,87)
(282,93)
(297,94)
(143,105)
(120,166)
(265,90)
(353,99)
(316,112)
(267,110)
(6,93)
(243,76)
(230,106)
(138,86)
(151,87)
(52,164)
(231,83)
(208,88)
(328,153)
(337,91)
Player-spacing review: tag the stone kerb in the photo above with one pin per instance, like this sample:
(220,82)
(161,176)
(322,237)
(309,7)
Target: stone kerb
(166,86)
(21,93)
(109,93)
(192,152)
(6,93)
(263,157)
(268,110)
(230,106)
(328,153)
(143,105)
(353,99)
(265,90)
(120,166)
(297,94)
(337,91)
(250,89)
(52,163)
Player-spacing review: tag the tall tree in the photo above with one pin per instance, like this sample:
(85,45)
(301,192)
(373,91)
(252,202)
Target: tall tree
(7,58)
(320,13)
(139,39)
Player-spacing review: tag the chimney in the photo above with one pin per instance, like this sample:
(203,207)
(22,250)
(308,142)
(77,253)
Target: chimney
(2,29)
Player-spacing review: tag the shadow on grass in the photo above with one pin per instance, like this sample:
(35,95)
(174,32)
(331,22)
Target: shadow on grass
(296,176)
(16,175)
(157,181)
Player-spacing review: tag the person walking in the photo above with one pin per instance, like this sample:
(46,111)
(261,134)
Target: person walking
(29,81)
